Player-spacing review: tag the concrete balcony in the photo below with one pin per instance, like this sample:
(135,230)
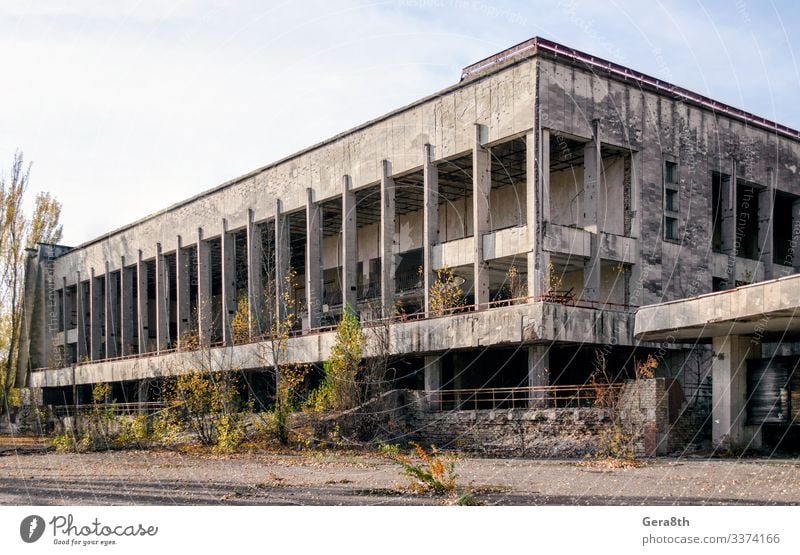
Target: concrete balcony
(531,323)
(747,270)
(571,241)
(511,241)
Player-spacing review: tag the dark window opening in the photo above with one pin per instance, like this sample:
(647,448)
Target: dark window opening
(784,237)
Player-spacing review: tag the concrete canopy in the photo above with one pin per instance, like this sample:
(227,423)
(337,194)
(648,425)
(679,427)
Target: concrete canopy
(769,310)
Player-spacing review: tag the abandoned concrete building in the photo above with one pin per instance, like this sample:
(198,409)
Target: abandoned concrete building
(562,190)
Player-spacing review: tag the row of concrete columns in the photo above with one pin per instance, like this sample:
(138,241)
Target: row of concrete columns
(118,302)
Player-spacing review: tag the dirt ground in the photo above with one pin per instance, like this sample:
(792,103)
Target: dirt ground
(31,474)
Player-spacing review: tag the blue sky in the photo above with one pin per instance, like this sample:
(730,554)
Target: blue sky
(128,106)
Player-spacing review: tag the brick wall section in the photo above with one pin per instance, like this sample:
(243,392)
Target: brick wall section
(404,415)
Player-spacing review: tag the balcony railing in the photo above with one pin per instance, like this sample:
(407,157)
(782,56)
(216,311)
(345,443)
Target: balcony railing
(545,397)
(329,324)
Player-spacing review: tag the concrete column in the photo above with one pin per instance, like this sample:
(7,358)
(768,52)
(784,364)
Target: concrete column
(81,309)
(96,303)
(126,305)
(729,393)
(66,307)
(430,231)
(433,379)
(282,268)
(162,301)
(481,191)
(388,247)
(183,291)
(537,167)
(203,289)
(142,394)
(255,280)
(728,224)
(538,374)
(313,260)
(228,283)
(766,205)
(795,239)
(349,245)
(111,311)
(143,324)
(592,177)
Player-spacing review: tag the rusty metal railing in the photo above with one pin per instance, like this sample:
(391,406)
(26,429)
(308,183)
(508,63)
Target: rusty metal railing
(108,408)
(554,396)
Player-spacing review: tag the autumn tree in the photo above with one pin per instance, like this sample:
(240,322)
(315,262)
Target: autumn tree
(17,233)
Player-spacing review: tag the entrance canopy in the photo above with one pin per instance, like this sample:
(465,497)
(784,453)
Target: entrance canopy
(768,309)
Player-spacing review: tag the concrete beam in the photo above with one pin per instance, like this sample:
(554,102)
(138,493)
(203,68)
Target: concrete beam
(81,303)
(537,165)
(228,283)
(766,204)
(430,231)
(349,244)
(204,319)
(729,393)
(126,306)
(592,178)
(96,303)
(538,373)
(481,192)
(162,301)
(388,244)
(282,268)
(313,261)
(728,224)
(66,308)
(433,379)
(183,287)
(143,327)
(111,313)
(255,280)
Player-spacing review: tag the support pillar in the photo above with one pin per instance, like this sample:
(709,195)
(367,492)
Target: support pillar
(81,310)
(430,231)
(433,380)
(592,178)
(282,268)
(538,374)
(349,245)
(162,301)
(481,193)
(766,205)
(729,217)
(183,290)
(228,283)
(313,261)
(795,239)
(143,324)
(95,317)
(537,211)
(255,280)
(729,393)
(203,289)
(66,308)
(126,305)
(111,312)
(388,246)
(142,395)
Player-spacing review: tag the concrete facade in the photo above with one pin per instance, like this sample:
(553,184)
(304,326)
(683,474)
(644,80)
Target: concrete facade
(602,188)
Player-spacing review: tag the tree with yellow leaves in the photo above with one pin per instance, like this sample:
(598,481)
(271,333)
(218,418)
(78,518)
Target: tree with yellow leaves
(17,233)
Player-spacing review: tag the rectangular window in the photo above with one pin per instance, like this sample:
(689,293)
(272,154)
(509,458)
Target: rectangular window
(671,215)
(671,173)
(671,200)
(670,229)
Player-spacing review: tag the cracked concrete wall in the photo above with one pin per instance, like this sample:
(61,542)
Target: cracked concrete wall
(656,126)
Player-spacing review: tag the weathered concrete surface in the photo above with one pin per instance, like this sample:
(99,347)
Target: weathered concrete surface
(524,323)
(769,308)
